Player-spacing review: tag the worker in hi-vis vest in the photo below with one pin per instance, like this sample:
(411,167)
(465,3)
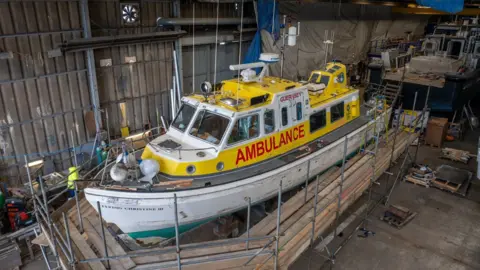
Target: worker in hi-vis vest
(72,177)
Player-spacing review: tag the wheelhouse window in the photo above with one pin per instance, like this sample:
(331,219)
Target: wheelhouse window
(269,121)
(318,120)
(299,111)
(336,112)
(184,117)
(284,116)
(209,126)
(323,79)
(244,129)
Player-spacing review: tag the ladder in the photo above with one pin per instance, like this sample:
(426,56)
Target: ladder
(392,91)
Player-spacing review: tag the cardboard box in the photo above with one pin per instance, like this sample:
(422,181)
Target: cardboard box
(436,131)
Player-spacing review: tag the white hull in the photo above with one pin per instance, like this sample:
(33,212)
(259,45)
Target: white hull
(139,212)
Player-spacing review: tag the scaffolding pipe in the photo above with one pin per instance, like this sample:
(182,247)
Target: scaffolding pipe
(391,157)
(249,205)
(77,203)
(312,236)
(177,237)
(103,233)
(337,215)
(376,135)
(203,21)
(424,111)
(31,185)
(173,249)
(306,182)
(277,234)
(69,241)
(49,221)
(42,249)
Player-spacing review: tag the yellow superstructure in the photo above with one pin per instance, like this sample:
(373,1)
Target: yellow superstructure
(276,116)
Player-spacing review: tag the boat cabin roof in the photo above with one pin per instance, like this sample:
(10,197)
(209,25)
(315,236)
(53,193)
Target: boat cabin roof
(322,86)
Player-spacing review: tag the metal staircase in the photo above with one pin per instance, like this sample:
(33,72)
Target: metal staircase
(392,91)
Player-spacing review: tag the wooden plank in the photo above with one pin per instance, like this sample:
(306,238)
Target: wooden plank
(83,246)
(300,240)
(218,262)
(96,240)
(66,207)
(297,237)
(223,247)
(76,250)
(111,243)
(268,224)
(63,260)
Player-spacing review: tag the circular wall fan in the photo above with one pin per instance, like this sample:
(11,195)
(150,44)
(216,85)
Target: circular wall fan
(130,13)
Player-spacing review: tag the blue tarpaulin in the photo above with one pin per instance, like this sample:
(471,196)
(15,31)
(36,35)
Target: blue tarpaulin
(265,10)
(450,6)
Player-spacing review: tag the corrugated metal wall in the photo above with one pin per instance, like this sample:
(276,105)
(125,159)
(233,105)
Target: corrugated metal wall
(205,63)
(42,99)
(133,92)
(205,54)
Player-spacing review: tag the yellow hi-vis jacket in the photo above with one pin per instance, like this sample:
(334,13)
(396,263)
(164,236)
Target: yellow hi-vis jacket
(72,177)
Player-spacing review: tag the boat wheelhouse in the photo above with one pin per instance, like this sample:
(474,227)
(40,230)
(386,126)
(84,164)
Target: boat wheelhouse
(268,118)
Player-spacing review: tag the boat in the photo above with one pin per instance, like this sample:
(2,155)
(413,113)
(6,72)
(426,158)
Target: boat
(239,141)
(448,65)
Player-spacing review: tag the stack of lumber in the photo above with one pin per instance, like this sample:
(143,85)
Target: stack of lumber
(296,217)
(456,155)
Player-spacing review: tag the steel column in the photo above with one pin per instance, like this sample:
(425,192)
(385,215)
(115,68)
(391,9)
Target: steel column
(92,73)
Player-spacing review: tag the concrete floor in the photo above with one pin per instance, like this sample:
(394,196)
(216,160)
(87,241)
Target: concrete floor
(445,234)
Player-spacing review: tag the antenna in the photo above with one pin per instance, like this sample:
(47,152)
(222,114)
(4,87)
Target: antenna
(293,33)
(240,51)
(328,42)
(193,50)
(216,52)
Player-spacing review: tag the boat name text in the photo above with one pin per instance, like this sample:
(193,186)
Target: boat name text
(289,97)
(269,144)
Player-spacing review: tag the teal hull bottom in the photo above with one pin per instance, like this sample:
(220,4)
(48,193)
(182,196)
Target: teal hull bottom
(169,232)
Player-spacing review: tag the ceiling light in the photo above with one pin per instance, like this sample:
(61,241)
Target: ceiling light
(35,163)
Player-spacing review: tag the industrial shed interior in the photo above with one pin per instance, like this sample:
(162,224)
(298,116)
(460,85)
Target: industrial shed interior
(239,134)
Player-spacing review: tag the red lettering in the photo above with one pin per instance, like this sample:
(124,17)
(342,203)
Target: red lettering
(301,131)
(268,148)
(251,152)
(288,136)
(282,139)
(240,156)
(295,133)
(275,146)
(260,149)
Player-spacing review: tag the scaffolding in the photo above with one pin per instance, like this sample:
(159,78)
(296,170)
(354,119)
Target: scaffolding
(276,241)
(371,204)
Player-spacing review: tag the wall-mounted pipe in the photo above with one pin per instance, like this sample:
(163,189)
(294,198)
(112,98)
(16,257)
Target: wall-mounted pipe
(203,21)
(223,1)
(119,40)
